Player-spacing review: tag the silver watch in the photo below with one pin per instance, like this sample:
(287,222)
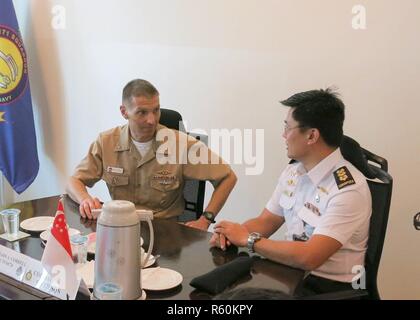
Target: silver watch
(252,238)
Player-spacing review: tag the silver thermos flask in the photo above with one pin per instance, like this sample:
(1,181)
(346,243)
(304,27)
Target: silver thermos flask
(117,255)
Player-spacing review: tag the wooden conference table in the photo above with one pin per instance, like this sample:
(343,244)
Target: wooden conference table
(181,248)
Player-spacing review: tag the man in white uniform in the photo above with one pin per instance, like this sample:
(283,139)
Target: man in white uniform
(323,199)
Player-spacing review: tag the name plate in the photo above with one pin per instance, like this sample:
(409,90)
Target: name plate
(29,271)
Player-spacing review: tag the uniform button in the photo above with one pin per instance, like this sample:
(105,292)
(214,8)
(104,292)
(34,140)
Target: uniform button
(162,202)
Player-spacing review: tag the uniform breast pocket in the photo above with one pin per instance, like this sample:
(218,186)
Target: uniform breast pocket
(287,202)
(163,193)
(116,180)
(309,217)
(118,186)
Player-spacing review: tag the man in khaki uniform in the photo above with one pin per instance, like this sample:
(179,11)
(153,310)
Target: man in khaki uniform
(147,163)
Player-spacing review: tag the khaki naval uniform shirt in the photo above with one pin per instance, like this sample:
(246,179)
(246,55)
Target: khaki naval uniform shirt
(143,180)
(332,199)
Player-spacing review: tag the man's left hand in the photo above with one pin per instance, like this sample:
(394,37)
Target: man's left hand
(234,232)
(201,223)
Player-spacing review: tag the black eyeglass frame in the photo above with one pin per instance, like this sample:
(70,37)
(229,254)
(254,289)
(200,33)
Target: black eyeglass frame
(416,221)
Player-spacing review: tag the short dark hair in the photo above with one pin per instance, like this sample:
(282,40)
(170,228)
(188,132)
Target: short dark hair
(320,109)
(138,88)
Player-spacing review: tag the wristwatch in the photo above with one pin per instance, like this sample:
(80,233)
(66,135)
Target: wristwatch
(209,216)
(252,238)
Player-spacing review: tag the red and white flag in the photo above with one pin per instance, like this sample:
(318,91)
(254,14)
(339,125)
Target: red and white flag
(57,257)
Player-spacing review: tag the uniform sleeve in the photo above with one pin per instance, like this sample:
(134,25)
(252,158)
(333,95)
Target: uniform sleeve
(203,164)
(90,169)
(345,213)
(273,205)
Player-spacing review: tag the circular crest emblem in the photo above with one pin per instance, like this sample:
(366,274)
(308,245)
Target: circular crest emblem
(28,275)
(13,65)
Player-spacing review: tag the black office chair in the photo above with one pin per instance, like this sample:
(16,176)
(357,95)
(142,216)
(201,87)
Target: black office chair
(171,119)
(375,169)
(194,190)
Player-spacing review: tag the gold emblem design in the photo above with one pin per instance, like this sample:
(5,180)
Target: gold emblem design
(323,190)
(28,275)
(341,173)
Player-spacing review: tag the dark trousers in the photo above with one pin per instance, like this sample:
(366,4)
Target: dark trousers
(313,285)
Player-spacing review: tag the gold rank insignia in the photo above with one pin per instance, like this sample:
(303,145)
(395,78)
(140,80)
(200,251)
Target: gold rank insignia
(323,190)
(343,177)
(163,172)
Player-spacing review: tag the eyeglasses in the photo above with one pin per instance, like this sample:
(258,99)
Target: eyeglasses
(417,221)
(287,128)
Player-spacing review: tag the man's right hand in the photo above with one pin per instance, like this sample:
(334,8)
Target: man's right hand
(219,240)
(87,205)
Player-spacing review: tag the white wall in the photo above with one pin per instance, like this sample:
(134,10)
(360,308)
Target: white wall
(225,64)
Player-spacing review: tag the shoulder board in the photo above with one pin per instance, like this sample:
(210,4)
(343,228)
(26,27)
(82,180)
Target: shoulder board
(343,177)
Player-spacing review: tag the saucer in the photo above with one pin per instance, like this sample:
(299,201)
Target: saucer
(20,235)
(86,271)
(150,262)
(37,224)
(158,278)
(45,234)
(143,295)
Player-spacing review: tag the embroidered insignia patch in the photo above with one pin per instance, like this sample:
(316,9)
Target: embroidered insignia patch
(164,177)
(343,177)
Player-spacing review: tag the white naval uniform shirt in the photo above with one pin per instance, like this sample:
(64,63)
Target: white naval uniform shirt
(328,201)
